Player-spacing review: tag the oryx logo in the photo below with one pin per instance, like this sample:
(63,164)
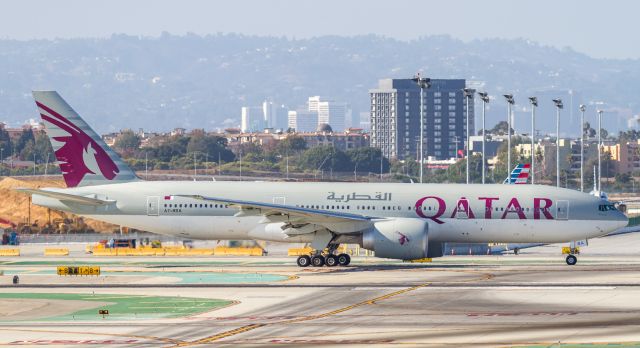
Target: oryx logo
(403,238)
(79,154)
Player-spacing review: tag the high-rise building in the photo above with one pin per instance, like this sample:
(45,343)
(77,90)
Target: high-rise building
(303,120)
(253,119)
(395,118)
(331,112)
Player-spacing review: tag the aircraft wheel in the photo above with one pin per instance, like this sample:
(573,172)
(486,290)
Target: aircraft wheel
(317,261)
(304,261)
(572,260)
(331,260)
(344,259)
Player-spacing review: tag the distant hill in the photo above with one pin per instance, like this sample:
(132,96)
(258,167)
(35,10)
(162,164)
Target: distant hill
(192,81)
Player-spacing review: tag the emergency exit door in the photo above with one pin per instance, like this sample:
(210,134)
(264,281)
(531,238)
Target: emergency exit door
(152,206)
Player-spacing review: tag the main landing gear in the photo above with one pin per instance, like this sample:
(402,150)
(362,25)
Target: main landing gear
(324,248)
(319,260)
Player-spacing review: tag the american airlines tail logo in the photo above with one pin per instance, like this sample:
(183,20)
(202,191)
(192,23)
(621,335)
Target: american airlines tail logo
(80,154)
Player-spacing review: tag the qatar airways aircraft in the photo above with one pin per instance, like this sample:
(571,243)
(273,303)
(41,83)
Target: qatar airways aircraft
(395,220)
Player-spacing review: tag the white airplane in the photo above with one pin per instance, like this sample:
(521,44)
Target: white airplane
(395,220)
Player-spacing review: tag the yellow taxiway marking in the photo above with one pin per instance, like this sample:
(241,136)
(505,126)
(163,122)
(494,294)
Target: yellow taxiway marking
(250,327)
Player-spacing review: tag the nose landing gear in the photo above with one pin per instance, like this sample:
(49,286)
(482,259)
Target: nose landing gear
(571,260)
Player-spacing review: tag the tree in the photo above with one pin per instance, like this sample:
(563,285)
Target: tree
(291,145)
(5,144)
(25,137)
(127,143)
(367,159)
(588,131)
(500,128)
(608,166)
(325,158)
(37,149)
(213,145)
(623,178)
(457,172)
(171,148)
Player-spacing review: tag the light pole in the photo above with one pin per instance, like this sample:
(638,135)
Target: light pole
(599,149)
(558,103)
(355,172)
(534,105)
(423,83)
(485,99)
(468,95)
(583,108)
(510,102)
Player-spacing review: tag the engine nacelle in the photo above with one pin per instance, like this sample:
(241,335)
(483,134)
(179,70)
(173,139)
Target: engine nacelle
(399,238)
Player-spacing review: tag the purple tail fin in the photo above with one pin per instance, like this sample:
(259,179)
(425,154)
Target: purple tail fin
(83,157)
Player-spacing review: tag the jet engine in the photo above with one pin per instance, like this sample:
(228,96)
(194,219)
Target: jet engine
(399,238)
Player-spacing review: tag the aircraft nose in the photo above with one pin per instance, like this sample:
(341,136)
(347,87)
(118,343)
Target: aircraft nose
(621,220)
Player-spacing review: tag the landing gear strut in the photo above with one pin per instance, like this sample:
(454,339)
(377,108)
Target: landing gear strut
(571,260)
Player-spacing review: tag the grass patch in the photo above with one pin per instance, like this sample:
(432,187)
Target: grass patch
(127,307)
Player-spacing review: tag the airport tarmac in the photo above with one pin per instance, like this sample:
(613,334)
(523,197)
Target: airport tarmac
(531,299)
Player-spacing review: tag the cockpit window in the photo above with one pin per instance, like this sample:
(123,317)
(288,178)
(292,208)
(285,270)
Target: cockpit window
(606,207)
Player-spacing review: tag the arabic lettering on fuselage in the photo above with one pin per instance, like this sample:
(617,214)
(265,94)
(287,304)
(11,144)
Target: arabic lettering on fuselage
(378,196)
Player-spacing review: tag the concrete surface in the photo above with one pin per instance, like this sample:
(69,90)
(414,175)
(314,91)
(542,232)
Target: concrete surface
(531,299)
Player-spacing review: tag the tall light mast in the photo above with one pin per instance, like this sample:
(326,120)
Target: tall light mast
(510,103)
(468,95)
(423,83)
(534,105)
(485,99)
(583,108)
(558,103)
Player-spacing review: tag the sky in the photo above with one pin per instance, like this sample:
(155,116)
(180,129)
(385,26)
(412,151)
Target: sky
(598,28)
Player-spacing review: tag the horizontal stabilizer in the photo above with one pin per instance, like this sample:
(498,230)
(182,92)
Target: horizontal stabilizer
(66,197)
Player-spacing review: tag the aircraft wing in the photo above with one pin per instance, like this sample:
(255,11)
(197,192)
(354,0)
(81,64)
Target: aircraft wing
(66,197)
(332,220)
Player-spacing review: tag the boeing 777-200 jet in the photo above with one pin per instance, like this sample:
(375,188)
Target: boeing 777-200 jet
(395,220)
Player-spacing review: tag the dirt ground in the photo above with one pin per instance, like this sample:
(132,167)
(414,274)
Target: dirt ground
(14,206)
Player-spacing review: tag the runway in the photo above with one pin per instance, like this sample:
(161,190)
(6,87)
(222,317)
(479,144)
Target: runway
(532,299)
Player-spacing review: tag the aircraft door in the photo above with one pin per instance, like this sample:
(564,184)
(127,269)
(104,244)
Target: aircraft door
(152,205)
(562,210)
(279,200)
